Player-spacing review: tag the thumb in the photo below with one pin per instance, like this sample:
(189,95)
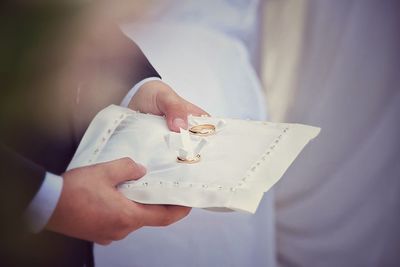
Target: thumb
(177,121)
(121,170)
(175,108)
(176,113)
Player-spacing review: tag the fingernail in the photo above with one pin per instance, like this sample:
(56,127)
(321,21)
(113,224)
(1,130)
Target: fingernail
(179,123)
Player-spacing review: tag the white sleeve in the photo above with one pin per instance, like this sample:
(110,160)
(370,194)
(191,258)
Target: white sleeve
(131,93)
(44,202)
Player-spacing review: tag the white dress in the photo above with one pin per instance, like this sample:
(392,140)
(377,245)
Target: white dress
(339,204)
(196,51)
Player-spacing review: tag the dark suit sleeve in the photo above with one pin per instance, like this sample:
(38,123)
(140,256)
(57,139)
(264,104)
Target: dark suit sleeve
(20,180)
(47,99)
(46,136)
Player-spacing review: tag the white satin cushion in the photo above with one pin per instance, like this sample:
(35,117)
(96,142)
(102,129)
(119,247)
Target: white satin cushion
(240,162)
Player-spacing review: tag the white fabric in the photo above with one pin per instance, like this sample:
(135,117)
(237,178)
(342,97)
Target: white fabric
(205,61)
(132,92)
(257,153)
(339,204)
(44,202)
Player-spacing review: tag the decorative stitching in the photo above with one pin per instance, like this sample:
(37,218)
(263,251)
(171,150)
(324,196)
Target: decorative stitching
(243,181)
(103,140)
(263,157)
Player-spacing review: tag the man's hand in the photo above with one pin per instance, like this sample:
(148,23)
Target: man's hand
(158,98)
(91,208)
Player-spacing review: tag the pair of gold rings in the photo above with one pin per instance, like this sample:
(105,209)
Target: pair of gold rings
(199,130)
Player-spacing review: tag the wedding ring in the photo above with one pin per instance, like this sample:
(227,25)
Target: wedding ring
(189,161)
(202,129)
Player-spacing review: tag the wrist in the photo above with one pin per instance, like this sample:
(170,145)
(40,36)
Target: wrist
(145,98)
(127,99)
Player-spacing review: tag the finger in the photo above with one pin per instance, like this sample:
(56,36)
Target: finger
(121,170)
(176,110)
(162,215)
(195,110)
(177,115)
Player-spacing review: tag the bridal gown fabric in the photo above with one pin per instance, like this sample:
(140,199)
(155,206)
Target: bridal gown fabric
(213,70)
(190,168)
(339,203)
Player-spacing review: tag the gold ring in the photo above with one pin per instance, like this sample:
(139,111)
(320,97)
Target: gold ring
(202,129)
(190,161)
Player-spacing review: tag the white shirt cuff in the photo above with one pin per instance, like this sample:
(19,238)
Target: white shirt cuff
(43,204)
(127,99)
(45,201)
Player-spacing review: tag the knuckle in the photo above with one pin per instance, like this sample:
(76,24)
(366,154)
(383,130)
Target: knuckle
(177,106)
(136,172)
(133,221)
(123,221)
(130,165)
(118,235)
(137,224)
(163,90)
(126,161)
